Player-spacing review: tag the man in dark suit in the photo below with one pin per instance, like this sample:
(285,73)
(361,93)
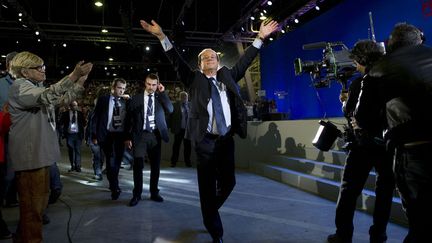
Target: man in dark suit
(72,122)
(217,112)
(178,122)
(107,131)
(145,127)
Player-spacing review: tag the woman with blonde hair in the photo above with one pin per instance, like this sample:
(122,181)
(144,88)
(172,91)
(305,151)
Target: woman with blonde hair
(33,146)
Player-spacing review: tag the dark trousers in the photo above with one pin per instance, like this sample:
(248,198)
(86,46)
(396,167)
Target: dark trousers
(97,158)
(216,178)
(358,164)
(178,139)
(74,149)
(413,170)
(148,144)
(113,146)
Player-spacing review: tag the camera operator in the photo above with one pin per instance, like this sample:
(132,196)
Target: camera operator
(365,152)
(400,85)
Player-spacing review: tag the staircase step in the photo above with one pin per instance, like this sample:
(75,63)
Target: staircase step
(325,188)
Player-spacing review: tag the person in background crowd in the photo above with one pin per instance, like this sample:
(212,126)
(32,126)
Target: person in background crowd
(33,145)
(73,130)
(178,121)
(4,129)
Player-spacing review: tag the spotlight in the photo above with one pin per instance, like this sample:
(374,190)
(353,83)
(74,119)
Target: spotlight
(148,69)
(19,14)
(64,44)
(67,67)
(110,59)
(296,21)
(20,19)
(108,47)
(271,38)
(37,32)
(98,4)
(263,18)
(104,31)
(147,48)
(269,3)
(252,17)
(283,31)
(317,8)
(39,40)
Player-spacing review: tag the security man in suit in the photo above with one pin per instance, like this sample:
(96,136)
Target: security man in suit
(107,131)
(178,122)
(217,112)
(73,130)
(145,127)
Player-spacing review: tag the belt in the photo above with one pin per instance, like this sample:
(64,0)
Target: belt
(416,143)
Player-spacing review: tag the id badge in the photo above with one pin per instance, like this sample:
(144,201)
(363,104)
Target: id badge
(117,121)
(152,121)
(73,128)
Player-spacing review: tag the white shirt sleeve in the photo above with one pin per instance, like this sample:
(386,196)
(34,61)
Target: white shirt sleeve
(257,43)
(166,44)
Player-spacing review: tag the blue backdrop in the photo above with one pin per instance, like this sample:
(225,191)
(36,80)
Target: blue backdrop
(347,22)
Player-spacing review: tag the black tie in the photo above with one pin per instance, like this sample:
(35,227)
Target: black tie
(116,112)
(73,117)
(217,109)
(149,113)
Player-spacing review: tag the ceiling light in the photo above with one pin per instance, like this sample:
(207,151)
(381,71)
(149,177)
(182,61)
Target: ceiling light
(296,21)
(64,44)
(105,68)
(3,56)
(252,18)
(283,31)
(4,5)
(110,59)
(19,14)
(104,31)
(67,67)
(98,4)
(317,7)
(271,39)
(17,42)
(114,74)
(269,3)
(108,47)
(148,69)
(147,48)
(25,26)
(37,32)
(20,19)
(263,17)
(39,40)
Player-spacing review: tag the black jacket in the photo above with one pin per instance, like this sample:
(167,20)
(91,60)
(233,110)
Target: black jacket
(398,91)
(200,93)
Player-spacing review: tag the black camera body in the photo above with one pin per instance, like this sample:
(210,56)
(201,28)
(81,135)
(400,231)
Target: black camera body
(335,65)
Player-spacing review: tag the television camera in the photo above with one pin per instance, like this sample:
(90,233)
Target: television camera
(334,66)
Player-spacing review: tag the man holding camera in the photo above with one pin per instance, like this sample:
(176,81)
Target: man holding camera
(400,85)
(366,150)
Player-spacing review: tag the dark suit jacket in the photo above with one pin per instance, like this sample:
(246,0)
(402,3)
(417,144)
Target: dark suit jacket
(65,119)
(134,120)
(176,117)
(100,118)
(200,93)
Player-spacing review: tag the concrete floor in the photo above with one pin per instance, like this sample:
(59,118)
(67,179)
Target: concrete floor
(258,210)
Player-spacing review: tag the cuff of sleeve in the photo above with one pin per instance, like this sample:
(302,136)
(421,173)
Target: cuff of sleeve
(258,42)
(166,44)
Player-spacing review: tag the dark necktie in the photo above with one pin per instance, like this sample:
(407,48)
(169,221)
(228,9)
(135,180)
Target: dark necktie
(217,109)
(149,113)
(116,112)
(73,117)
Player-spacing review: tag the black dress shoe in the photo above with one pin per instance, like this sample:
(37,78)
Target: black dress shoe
(217,240)
(78,169)
(156,198)
(134,201)
(71,169)
(115,194)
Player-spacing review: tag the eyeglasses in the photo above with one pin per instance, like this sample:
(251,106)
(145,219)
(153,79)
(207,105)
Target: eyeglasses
(40,68)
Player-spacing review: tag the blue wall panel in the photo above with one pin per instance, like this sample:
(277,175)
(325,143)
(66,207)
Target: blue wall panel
(347,22)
